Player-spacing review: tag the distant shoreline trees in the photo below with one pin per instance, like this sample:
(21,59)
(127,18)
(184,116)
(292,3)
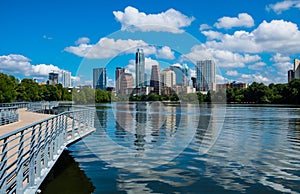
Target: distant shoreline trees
(28,90)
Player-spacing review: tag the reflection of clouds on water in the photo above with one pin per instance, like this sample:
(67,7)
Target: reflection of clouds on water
(254,150)
(143,135)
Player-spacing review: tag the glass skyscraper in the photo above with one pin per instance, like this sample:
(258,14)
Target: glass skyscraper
(206,75)
(99,78)
(66,79)
(140,80)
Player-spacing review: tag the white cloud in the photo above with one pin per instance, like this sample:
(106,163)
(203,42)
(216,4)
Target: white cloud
(232,73)
(257,66)
(279,58)
(211,35)
(165,53)
(274,36)
(223,58)
(47,37)
(279,7)
(19,64)
(169,21)
(82,40)
(108,47)
(243,20)
(248,78)
(220,78)
(204,27)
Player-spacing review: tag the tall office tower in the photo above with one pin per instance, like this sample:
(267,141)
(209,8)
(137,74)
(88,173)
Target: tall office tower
(168,78)
(53,78)
(194,82)
(297,68)
(99,78)
(185,81)
(140,68)
(126,83)
(66,79)
(291,75)
(155,78)
(206,75)
(119,72)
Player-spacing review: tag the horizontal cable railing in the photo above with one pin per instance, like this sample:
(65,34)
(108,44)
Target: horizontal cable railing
(8,115)
(28,154)
(42,106)
(18,104)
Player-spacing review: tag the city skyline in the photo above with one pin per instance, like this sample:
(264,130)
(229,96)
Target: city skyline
(249,41)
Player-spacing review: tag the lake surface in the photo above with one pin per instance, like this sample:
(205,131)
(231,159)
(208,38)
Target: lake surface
(175,148)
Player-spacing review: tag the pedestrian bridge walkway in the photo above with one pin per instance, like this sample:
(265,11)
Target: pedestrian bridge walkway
(30,147)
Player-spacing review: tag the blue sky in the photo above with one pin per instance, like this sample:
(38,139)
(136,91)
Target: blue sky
(249,40)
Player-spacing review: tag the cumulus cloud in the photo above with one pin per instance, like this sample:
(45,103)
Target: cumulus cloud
(282,63)
(82,40)
(232,73)
(257,66)
(204,27)
(274,36)
(243,20)
(257,77)
(223,58)
(107,47)
(19,64)
(285,5)
(169,21)
(278,57)
(165,53)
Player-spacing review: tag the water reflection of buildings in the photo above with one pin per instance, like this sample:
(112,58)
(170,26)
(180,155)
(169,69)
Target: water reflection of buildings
(124,119)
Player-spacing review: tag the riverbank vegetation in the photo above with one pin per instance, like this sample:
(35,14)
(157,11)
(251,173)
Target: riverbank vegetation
(27,90)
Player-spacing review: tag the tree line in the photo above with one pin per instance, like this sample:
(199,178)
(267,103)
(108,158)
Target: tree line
(28,90)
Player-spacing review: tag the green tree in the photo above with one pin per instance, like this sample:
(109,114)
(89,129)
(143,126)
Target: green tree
(8,85)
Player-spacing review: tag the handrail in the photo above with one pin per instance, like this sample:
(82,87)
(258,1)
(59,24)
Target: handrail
(28,154)
(18,104)
(8,115)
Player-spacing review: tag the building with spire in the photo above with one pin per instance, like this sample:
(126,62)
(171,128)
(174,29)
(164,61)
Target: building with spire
(140,69)
(99,78)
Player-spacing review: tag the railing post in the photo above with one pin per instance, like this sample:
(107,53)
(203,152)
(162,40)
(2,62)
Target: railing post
(20,172)
(3,166)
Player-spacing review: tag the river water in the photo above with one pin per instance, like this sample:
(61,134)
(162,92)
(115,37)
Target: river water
(179,148)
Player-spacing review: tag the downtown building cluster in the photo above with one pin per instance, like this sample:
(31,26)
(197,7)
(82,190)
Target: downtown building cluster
(173,79)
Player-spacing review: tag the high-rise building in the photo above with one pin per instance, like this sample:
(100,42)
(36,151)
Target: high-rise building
(126,83)
(294,73)
(53,78)
(297,68)
(99,78)
(119,72)
(168,78)
(140,69)
(66,79)
(155,78)
(206,75)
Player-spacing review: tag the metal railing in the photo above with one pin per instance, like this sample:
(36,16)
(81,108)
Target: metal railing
(18,104)
(28,154)
(8,115)
(42,106)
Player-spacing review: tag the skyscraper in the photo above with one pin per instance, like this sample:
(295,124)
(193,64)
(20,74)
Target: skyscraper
(168,78)
(99,78)
(206,75)
(66,79)
(297,68)
(53,78)
(119,72)
(155,78)
(139,68)
(126,83)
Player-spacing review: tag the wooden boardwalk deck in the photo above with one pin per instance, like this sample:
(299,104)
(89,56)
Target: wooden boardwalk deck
(25,119)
